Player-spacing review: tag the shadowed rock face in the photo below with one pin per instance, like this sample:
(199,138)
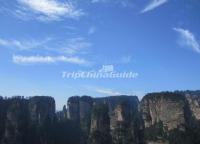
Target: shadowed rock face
(79,111)
(73,108)
(2,117)
(100,119)
(85,106)
(16,121)
(18,114)
(100,125)
(41,108)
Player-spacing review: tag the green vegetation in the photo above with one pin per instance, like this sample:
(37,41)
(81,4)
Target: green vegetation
(164,95)
(155,132)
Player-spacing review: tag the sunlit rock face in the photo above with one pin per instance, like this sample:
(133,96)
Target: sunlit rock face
(124,118)
(170,118)
(124,123)
(41,109)
(168,108)
(194,103)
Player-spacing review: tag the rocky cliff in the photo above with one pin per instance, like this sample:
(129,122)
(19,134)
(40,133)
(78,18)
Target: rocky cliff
(166,117)
(169,108)
(18,114)
(115,117)
(41,109)
(159,118)
(170,117)
(100,125)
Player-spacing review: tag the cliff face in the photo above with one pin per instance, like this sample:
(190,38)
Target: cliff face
(155,119)
(2,117)
(167,108)
(160,118)
(193,99)
(85,110)
(100,125)
(18,115)
(41,109)
(125,125)
(79,111)
(170,117)
(115,117)
(125,121)
(73,108)
(16,122)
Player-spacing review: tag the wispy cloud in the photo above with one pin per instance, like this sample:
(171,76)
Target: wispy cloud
(47,10)
(19,59)
(107,91)
(71,46)
(100,90)
(111,92)
(75,45)
(23,44)
(188,39)
(153,4)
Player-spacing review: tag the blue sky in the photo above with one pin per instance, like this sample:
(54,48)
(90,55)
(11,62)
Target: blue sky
(39,39)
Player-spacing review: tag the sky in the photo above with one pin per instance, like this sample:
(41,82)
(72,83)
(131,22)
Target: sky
(40,39)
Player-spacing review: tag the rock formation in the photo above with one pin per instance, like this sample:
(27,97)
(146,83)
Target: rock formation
(193,99)
(160,118)
(100,125)
(18,115)
(16,121)
(41,109)
(170,117)
(167,108)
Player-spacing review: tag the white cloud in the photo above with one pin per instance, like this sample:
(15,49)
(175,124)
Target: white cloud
(75,45)
(72,46)
(18,59)
(107,91)
(188,39)
(102,91)
(46,10)
(153,4)
(23,44)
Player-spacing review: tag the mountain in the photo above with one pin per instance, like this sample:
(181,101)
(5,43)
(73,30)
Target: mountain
(159,118)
